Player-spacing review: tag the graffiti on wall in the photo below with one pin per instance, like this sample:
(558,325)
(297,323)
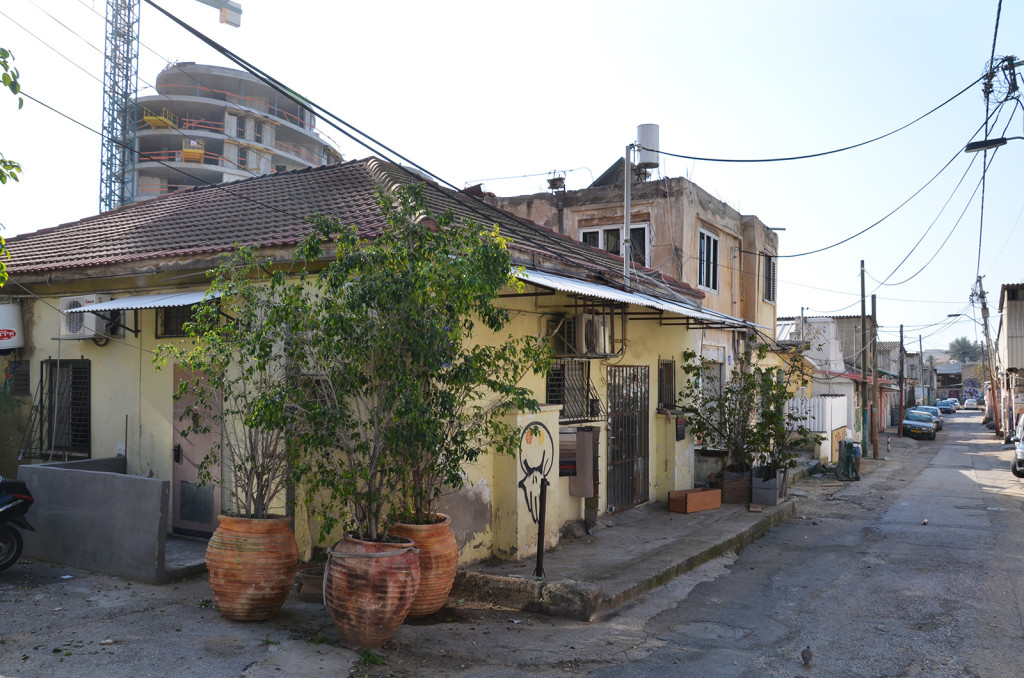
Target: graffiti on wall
(536,457)
(972,388)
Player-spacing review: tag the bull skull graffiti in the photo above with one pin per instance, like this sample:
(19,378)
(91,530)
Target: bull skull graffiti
(538,447)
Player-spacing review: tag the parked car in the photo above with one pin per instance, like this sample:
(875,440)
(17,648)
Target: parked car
(932,410)
(918,424)
(971,404)
(1017,463)
(945,407)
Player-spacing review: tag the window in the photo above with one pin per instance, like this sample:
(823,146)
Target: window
(666,384)
(243,158)
(769,277)
(707,275)
(258,132)
(568,385)
(609,239)
(65,423)
(170,321)
(15,380)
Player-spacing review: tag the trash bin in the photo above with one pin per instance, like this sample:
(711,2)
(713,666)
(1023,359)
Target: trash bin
(849,463)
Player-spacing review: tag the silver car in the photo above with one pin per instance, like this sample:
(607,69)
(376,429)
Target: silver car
(934,411)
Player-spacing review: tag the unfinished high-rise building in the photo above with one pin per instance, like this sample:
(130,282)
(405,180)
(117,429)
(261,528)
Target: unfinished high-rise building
(209,124)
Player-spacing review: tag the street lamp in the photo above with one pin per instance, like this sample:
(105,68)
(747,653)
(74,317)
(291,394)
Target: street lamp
(987,144)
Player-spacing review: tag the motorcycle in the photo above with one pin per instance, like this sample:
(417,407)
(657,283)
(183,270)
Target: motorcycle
(15,500)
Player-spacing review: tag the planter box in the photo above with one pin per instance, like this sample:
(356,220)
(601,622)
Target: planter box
(697,499)
(766,491)
(735,488)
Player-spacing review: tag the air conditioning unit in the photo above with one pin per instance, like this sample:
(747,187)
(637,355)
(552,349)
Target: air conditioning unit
(81,325)
(585,334)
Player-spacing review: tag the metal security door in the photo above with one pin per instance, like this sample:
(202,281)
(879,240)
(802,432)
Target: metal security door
(628,455)
(195,506)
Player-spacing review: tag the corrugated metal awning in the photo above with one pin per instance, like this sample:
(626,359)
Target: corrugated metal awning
(699,315)
(146,301)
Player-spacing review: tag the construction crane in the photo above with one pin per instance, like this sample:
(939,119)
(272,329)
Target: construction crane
(120,90)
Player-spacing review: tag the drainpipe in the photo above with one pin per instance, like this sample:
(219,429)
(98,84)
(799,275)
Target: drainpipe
(627,190)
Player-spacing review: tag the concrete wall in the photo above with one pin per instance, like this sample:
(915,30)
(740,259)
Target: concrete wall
(90,515)
(676,210)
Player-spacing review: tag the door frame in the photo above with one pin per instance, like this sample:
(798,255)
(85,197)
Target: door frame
(185,463)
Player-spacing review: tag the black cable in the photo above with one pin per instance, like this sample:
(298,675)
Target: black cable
(52,48)
(948,235)
(488,211)
(823,153)
(988,91)
(141,154)
(928,230)
(896,209)
(81,68)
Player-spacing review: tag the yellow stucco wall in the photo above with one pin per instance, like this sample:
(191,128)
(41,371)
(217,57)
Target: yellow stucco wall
(490,513)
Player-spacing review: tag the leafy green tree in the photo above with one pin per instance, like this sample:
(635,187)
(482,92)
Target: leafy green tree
(745,414)
(392,392)
(9,169)
(966,351)
(239,378)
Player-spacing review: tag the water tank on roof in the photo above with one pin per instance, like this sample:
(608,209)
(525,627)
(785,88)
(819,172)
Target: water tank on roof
(12,331)
(647,138)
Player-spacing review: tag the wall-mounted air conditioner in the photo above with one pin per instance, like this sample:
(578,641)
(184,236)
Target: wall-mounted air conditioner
(83,325)
(585,334)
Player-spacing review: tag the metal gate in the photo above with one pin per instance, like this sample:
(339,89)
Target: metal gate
(628,452)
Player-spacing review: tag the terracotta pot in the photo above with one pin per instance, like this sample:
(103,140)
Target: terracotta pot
(439,556)
(252,564)
(311,584)
(369,589)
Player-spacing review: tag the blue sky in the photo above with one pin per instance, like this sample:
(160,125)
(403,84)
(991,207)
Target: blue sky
(483,91)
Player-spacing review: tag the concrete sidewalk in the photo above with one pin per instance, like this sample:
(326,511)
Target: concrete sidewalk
(627,555)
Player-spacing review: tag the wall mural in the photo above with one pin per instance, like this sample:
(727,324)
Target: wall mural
(972,388)
(536,457)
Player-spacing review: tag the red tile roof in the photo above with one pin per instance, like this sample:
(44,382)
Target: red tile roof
(271,211)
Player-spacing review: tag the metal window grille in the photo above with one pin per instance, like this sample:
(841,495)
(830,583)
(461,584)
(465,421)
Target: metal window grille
(64,426)
(568,385)
(16,382)
(666,384)
(170,321)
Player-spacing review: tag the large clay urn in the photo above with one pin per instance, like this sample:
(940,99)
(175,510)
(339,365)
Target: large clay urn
(252,564)
(439,557)
(369,587)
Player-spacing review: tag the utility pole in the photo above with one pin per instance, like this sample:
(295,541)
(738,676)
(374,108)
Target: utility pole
(920,361)
(875,403)
(863,371)
(901,381)
(993,384)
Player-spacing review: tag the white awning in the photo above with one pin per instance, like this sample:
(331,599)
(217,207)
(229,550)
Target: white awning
(583,287)
(146,301)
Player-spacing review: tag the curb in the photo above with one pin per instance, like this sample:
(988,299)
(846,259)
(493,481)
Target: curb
(584,601)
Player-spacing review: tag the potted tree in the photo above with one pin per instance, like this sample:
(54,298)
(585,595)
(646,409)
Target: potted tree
(239,379)
(746,415)
(721,415)
(382,381)
(778,430)
(455,412)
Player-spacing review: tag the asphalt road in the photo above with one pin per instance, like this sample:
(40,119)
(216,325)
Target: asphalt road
(858,575)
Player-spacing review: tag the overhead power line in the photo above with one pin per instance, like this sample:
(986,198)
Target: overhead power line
(822,153)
